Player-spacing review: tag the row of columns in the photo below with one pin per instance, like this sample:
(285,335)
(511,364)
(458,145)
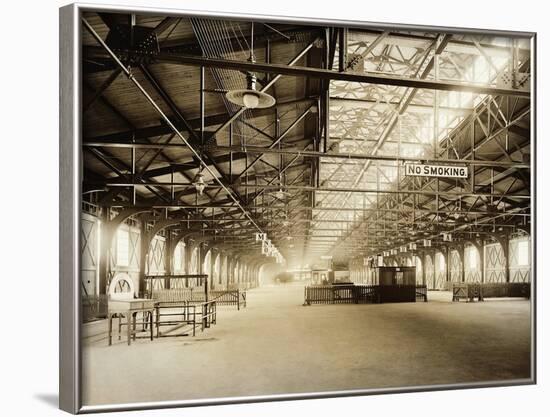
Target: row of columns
(359,270)
(248,266)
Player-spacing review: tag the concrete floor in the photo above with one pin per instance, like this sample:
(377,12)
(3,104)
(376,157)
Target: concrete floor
(276,345)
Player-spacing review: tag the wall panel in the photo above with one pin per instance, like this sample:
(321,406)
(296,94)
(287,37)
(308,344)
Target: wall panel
(520,266)
(495,263)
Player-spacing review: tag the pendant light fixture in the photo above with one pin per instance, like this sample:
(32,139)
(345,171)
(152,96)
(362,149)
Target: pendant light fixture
(199,183)
(250,98)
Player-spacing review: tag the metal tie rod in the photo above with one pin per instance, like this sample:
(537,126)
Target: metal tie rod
(313,154)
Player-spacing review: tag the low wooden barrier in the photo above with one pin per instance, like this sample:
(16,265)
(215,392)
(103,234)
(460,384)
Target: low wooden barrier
(183,317)
(229,297)
(208,314)
(357,294)
(464,291)
(332,294)
(471,291)
(365,294)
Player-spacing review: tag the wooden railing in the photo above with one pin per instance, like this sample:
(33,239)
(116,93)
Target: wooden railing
(358,294)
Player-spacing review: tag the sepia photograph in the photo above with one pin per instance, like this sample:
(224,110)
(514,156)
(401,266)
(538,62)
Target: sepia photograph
(277,208)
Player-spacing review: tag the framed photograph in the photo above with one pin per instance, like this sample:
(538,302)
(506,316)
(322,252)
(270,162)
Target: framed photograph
(258,208)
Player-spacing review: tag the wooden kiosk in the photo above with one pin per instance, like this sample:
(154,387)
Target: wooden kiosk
(396,284)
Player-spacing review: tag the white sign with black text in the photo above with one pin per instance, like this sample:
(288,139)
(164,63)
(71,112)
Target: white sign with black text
(428,170)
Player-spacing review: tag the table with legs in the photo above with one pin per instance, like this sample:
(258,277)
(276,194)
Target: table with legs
(129,309)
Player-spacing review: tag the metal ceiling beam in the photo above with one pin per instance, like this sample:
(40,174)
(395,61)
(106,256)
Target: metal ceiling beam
(320,73)
(374,191)
(359,103)
(161,205)
(312,154)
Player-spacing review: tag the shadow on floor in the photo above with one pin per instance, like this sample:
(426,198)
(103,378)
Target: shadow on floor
(50,399)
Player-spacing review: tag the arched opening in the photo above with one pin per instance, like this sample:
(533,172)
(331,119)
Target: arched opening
(235,274)
(224,272)
(156,256)
(178,259)
(419,274)
(429,271)
(440,271)
(216,271)
(472,264)
(207,266)
(194,261)
(194,266)
(455,266)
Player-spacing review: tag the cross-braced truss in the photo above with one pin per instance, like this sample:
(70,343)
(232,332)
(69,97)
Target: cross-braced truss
(322,172)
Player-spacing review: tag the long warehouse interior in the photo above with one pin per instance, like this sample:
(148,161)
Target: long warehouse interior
(279,207)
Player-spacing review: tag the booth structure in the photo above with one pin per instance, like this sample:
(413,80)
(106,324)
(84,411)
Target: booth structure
(396,283)
(392,285)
